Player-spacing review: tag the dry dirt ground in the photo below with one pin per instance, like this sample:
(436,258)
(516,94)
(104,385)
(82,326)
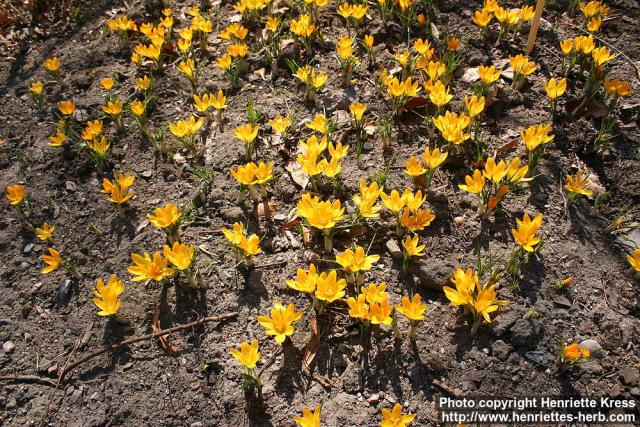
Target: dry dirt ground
(45,315)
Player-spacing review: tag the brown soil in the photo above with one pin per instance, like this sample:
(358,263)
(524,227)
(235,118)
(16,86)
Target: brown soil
(142,385)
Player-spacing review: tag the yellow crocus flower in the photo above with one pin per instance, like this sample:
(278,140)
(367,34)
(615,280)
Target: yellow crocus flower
(355,261)
(53,261)
(578,184)
(555,88)
(45,232)
(165,217)
(413,309)
(525,234)
(473,183)
(411,246)
(281,323)
(308,418)
(180,255)
(107,296)
(248,354)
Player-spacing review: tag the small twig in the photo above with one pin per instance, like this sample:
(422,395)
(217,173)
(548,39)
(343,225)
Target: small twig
(564,199)
(270,361)
(53,392)
(533,32)
(272,264)
(70,367)
(147,337)
(446,388)
(27,379)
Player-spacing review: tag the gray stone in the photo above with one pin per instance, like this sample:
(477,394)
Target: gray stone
(71,186)
(501,349)
(434,273)
(537,357)
(503,323)
(523,332)
(11,403)
(373,399)
(630,376)
(594,347)
(64,292)
(615,391)
(631,240)
(561,301)
(232,214)
(394,249)
(8,347)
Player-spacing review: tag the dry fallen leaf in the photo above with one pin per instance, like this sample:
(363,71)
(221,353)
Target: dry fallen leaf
(470,75)
(312,346)
(155,327)
(299,177)
(142,225)
(264,210)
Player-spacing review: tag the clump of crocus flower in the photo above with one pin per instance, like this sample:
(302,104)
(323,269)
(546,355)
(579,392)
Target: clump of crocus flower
(412,248)
(52,66)
(185,132)
(313,80)
(280,125)
(476,299)
(45,232)
(17,196)
(207,101)
(114,110)
(35,93)
(247,134)
(370,307)
(422,173)
(149,267)
(534,138)
(248,355)
(614,89)
(522,67)
(281,324)
(407,209)
(252,176)
(304,29)
(167,218)
(191,71)
(182,256)
(577,184)
(123,26)
(357,110)
(308,418)
(453,127)
(321,215)
(244,246)
(395,417)
(489,75)
(526,239)
(52,261)
(107,296)
(355,262)
(555,89)
(366,200)
(413,309)
(400,92)
(119,190)
(494,182)
(572,354)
